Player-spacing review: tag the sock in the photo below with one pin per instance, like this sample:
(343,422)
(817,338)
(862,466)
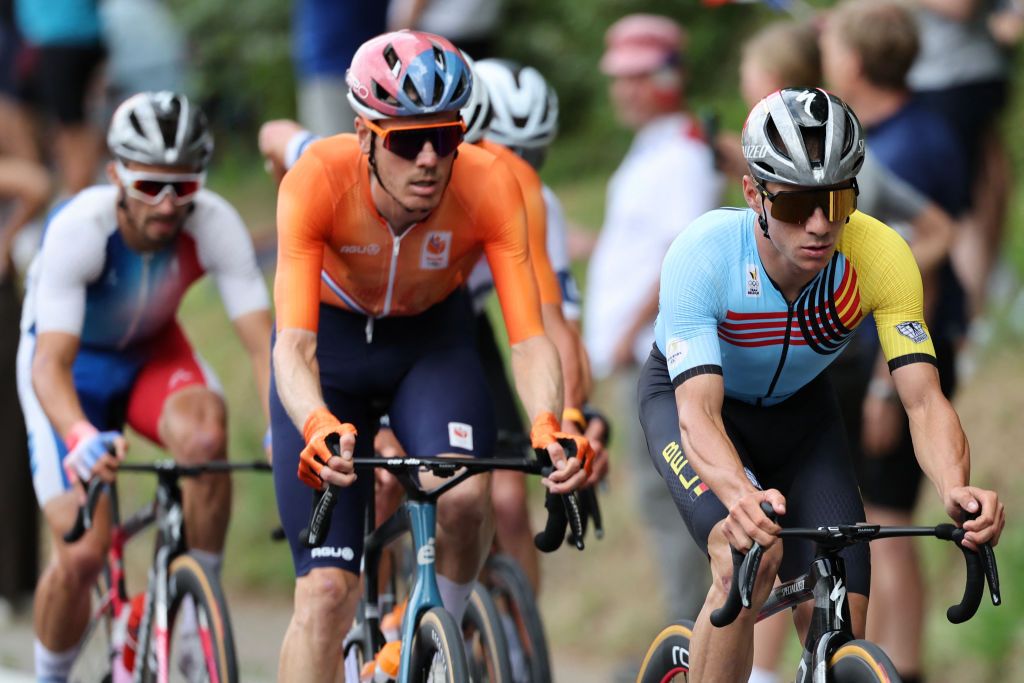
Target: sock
(53,667)
(762,676)
(212,561)
(455,596)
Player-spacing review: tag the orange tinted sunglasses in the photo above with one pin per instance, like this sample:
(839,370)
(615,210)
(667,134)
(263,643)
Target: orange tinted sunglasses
(407,141)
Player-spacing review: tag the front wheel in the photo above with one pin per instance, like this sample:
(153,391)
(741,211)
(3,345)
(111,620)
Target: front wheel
(861,661)
(668,657)
(438,653)
(486,645)
(199,643)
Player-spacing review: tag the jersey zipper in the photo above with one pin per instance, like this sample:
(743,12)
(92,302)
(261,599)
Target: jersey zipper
(785,351)
(140,308)
(389,294)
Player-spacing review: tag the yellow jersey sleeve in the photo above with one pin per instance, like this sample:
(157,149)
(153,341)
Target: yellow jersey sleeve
(890,288)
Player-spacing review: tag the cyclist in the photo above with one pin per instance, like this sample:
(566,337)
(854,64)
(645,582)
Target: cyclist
(754,304)
(101,344)
(377,233)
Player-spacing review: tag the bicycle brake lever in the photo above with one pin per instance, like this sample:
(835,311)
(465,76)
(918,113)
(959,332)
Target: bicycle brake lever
(988,564)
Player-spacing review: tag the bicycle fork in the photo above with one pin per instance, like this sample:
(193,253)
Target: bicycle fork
(425,594)
(830,621)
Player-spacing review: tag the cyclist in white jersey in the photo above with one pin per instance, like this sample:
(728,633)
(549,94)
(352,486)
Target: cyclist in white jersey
(101,344)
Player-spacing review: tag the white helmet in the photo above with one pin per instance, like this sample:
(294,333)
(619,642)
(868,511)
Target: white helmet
(524,108)
(160,128)
(477,112)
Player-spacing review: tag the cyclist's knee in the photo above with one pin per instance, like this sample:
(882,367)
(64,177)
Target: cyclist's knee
(509,501)
(467,507)
(79,564)
(193,425)
(324,598)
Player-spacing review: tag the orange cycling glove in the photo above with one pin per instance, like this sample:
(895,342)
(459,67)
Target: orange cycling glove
(546,429)
(315,455)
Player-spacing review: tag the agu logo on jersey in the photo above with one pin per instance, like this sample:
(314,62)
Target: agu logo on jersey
(753,280)
(436,249)
(912,330)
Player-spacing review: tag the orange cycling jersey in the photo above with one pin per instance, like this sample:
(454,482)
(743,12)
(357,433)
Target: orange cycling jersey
(536,220)
(335,247)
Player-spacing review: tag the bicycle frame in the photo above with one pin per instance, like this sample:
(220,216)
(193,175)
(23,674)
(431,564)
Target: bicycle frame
(167,512)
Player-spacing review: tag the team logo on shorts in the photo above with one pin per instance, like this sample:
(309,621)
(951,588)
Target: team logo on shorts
(912,330)
(460,435)
(436,249)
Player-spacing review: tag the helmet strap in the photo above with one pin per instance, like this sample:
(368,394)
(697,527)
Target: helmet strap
(762,221)
(376,174)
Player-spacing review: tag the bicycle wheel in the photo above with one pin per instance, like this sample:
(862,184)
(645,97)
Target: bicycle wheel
(520,616)
(438,654)
(861,661)
(200,643)
(668,657)
(486,645)
(94,661)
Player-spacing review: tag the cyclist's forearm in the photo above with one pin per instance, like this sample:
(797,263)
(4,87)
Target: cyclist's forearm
(297,373)
(564,339)
(54,385)
(706,444)
(254,332)
(538,376)
(940,444)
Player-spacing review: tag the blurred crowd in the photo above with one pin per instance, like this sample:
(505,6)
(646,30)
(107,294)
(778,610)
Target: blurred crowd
(929,80)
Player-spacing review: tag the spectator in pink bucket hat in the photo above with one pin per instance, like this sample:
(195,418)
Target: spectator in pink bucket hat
(642,44)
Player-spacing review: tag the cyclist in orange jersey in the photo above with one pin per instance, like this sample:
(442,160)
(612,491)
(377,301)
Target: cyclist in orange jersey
(377,234)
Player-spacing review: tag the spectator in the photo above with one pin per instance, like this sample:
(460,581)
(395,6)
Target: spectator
(962,73)
(146,47)
(66,36)
(666,180)
(470,24)
(868,47)
(325,35)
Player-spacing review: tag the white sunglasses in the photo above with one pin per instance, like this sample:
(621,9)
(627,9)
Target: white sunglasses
(151,188)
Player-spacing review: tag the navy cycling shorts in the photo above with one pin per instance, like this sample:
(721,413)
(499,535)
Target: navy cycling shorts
(798,447)
(423,371)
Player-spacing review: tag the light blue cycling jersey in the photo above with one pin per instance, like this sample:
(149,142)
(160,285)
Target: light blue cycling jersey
(720,313)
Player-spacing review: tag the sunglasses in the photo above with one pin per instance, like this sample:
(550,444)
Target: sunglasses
(151,187)
(407,142)
(797,206)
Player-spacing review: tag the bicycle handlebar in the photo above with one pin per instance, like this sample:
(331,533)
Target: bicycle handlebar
(981,565)
(563,513)
(96,486)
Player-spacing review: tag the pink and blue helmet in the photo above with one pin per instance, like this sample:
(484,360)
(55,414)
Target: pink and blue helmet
(407,73)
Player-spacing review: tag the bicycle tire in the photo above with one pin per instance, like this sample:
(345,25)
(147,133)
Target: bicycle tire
(438,653)
(861,661)
(188,577)
(524,628)
(486,646)
(668,657)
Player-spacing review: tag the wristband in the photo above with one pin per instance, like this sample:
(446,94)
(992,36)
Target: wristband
(575,415)
(79,431)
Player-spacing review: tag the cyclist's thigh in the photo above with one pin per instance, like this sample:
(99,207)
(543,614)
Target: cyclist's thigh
(101,381)
(171,365)
(821,489)
(343,545)
(697,504)
(443,405)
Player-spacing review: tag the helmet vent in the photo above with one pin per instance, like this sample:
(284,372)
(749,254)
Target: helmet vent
(381,94)
(391,57)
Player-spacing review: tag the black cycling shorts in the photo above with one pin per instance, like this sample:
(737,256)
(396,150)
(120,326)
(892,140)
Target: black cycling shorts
(423,371)
(63,76)
(797,446)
